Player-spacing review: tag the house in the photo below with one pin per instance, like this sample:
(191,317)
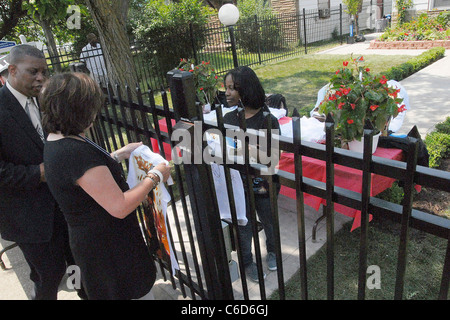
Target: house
(323,17)
(432,7)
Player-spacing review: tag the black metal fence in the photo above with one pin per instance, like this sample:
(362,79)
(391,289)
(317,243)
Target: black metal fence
(203,243)
(258,40)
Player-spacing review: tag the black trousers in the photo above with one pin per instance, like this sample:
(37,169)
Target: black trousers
(48,260)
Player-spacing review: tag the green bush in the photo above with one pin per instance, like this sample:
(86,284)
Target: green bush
(415,64)
(163,31)
(263,36)
(422,27)
(443,127)
(438,145)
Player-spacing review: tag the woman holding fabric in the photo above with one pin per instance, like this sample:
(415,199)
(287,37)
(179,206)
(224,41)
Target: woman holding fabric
(88,184)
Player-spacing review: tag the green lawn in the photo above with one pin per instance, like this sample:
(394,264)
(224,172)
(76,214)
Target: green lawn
(423,274)
(300,78)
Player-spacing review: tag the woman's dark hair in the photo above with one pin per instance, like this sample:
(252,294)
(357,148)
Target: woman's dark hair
(249,87)
(70,103)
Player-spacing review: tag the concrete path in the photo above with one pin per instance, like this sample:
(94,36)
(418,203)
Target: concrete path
(429,93)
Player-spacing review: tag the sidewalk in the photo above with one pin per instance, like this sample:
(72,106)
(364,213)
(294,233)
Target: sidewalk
(429,94)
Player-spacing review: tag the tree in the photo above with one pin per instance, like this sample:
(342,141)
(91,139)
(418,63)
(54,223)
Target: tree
(10,14)
(110,19)
(353,8)
(48,13)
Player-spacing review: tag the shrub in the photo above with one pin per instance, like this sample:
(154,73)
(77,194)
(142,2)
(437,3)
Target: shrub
(164,32)
(422,27)
(415,64)
(443,127)
(438,145)
(263,36)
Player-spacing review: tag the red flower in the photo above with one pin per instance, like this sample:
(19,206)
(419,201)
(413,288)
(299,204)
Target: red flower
(374,107)
(341,105)
(383,80)
(332,97)
(402,108)
(367,69)
(345,63)
(345,91)
(353,106)
(350,121)
(201,88)
(337,72)
(361,58)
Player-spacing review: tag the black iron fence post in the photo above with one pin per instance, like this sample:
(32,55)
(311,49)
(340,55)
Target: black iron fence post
(340,21)
(304,30)
(194,47)
(201,193)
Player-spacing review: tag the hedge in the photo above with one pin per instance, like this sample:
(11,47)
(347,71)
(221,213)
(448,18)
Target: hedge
(415,64)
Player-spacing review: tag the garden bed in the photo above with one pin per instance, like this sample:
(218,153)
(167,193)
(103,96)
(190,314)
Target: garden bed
(423,44)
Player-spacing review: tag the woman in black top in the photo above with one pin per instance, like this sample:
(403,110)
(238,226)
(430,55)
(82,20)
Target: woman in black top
(88,185)
(244,89)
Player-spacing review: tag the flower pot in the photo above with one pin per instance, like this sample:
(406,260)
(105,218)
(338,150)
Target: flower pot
(358,146)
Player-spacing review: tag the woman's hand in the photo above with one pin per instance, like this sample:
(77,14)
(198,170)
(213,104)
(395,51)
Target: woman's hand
(125,152)
(164,169)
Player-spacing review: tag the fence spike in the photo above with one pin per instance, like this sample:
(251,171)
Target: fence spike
(329,118)
(368,125)
(414,133)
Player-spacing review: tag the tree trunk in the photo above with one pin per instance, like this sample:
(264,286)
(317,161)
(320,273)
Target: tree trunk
(114,41)
(51,44)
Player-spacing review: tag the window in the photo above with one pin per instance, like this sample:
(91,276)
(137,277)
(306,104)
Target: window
(439,4)
(323,8)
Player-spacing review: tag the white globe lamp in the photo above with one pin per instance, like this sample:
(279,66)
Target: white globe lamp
(228,14)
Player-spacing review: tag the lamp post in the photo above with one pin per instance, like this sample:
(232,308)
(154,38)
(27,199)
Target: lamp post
(229,15)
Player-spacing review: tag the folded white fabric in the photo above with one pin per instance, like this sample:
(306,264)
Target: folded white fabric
(223,201)
(141,160)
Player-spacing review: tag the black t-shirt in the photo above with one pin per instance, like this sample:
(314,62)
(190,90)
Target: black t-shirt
(256,122)
(111,253)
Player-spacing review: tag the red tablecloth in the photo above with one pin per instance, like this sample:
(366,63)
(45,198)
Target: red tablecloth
(155,147)
(344,177)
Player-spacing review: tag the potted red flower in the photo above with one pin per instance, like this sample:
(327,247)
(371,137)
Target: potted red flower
(355,95)
(205,79)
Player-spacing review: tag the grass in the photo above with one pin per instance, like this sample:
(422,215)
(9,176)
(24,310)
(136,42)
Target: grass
(423,274)
(300,79)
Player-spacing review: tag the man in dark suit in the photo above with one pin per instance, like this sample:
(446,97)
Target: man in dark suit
(29,215)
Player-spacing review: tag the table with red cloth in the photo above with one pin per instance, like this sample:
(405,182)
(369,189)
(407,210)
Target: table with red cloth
(344,177)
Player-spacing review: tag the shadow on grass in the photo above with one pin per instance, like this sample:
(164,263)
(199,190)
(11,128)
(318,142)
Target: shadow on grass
(423,273)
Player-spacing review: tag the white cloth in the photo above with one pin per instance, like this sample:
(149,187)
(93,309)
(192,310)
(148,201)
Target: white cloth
(223,201)
(397,122)
(312,130)
(141,160)
(214,142)
(320,96)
